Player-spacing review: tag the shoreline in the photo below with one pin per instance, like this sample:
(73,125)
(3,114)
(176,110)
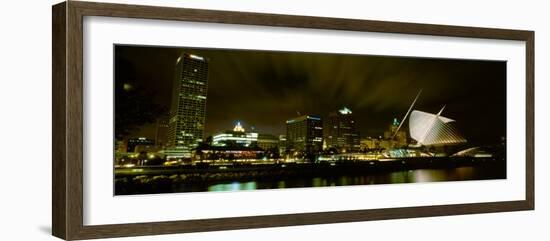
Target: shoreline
(149,180)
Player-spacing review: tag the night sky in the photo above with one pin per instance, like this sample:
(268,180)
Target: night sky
(265,88)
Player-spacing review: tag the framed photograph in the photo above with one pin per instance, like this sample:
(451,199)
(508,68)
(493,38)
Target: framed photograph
(209,120)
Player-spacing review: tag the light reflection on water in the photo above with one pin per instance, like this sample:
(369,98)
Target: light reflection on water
(234,186)
(410,176)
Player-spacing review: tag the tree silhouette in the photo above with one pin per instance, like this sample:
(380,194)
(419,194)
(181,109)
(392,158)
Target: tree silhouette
(134,105)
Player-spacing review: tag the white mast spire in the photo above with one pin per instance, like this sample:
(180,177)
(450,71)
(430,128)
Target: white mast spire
(441,111)
(407,114)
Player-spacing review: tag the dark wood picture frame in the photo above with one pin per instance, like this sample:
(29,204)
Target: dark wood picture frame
(67,159)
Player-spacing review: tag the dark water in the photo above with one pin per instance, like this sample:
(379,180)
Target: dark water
(409,176)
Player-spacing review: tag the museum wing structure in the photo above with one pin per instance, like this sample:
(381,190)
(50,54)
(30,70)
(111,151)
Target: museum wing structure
(433,129)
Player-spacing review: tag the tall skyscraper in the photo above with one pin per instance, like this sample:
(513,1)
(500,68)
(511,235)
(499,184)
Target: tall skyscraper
(161,132)
(188,109)
(304,134)
(340,131)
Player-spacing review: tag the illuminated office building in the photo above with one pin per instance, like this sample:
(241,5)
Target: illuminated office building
(188,109)
(267,141)
(397,138)
(161,132)
(138,144)
(282,143)
(340,132)
(304,134)
(238,137)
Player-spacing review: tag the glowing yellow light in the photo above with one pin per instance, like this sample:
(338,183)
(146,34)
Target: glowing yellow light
(127,86)
(238,127)
(196,57)
(345,111)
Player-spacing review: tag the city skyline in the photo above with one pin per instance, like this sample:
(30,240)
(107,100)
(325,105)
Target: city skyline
(267,110)
(232,119)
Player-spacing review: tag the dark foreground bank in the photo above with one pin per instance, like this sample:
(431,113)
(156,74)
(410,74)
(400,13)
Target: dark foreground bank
(201,178)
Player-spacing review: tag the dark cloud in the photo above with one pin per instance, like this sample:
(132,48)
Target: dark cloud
(265,88)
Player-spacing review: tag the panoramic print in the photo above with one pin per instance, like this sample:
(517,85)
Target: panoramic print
(207,120)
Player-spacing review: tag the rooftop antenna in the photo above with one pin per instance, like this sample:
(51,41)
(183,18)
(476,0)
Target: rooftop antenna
(407,114)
